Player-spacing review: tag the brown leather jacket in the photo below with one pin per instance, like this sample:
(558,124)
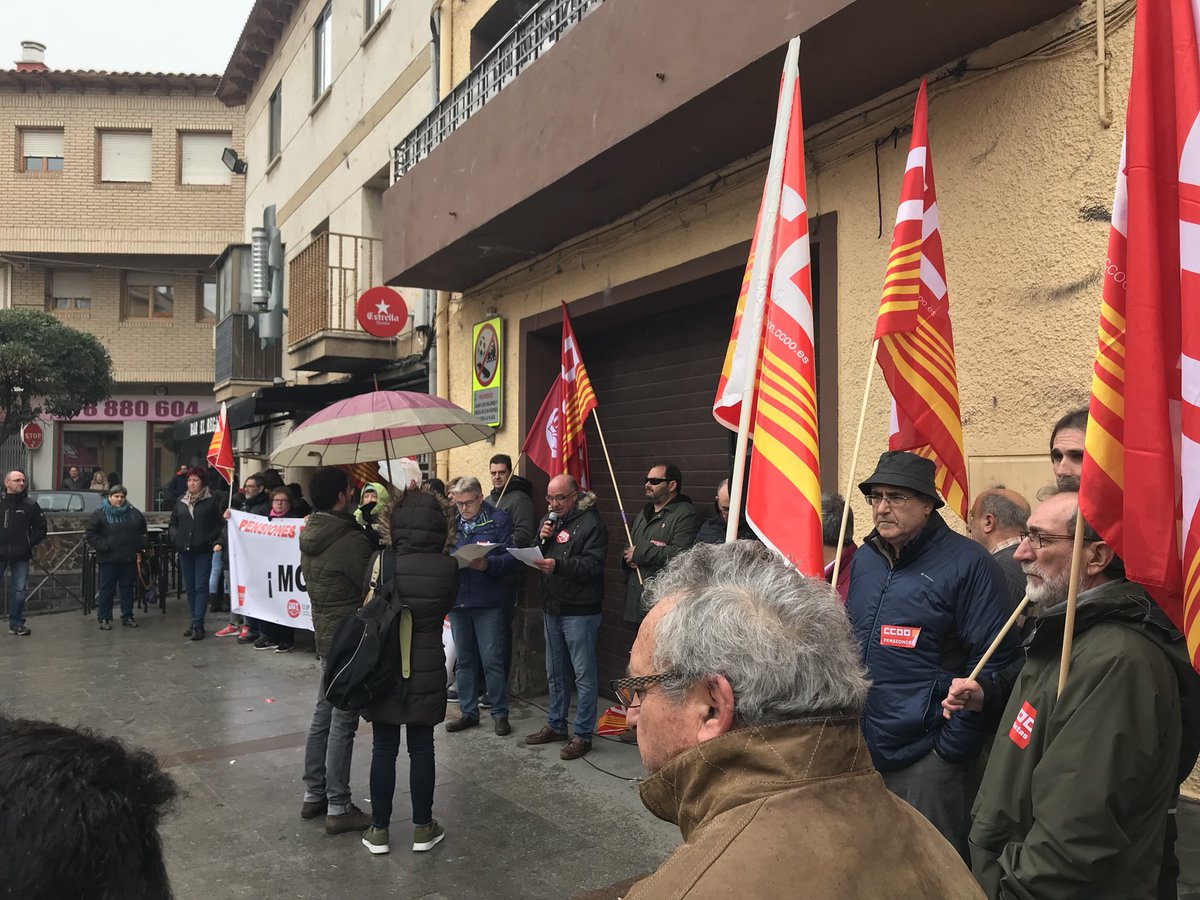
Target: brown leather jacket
(794,810)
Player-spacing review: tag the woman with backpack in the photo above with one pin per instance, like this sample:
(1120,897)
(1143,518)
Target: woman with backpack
(425,580)
(196,527)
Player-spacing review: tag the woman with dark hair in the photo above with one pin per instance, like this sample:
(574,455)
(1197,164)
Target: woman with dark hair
(196,528)
(116,531)
(273,636)
(425,581)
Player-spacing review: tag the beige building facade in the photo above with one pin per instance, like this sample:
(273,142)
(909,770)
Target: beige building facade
(1025,161)
(114,204)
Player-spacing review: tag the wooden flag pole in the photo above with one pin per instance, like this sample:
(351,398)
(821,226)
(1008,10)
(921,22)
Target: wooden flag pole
(511,472)
(862,418)
(1012,620)
(760,275)
(1064,665)
(616,490)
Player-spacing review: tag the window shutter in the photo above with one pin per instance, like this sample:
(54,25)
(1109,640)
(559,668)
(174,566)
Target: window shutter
(124,156)
(72,284)
(48,144)
(201,158)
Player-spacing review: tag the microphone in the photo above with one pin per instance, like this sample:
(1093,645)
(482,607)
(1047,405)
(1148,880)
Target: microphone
(549,520)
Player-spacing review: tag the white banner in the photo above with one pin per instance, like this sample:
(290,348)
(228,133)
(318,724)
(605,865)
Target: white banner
(264,570)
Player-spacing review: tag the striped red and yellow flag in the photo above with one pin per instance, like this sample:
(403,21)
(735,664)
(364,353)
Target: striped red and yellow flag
(1140,485)
(771,358)
(578,401)
(362,473)
(916,342)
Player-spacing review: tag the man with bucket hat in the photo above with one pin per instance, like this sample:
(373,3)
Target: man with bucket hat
(925,603)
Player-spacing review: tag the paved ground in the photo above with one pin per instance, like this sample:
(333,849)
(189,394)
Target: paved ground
(229,723)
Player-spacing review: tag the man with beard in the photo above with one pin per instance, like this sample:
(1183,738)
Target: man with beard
(1104,753)
(1066,449)
(666,526)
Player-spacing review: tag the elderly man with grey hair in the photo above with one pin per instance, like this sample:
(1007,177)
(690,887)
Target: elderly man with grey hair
(746,689)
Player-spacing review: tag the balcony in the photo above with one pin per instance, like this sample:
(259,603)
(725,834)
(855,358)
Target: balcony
(325,280)
(612,104)
(241,362)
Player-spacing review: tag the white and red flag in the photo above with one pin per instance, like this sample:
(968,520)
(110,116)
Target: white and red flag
(1140,485)
(771,357)
(220,448)
(916,341)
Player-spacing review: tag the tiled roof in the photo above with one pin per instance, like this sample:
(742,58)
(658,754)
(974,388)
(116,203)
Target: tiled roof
(265,25)
(92,81)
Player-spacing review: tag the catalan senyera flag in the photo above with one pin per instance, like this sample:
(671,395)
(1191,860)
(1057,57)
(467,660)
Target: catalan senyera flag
(916,342)
(578,401)
(771,359)
(220,448)
(1140,484)
(362,473)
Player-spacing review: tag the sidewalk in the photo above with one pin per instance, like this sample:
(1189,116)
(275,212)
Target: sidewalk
(230,724)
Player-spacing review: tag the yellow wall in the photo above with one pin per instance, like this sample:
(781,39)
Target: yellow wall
(1017,155)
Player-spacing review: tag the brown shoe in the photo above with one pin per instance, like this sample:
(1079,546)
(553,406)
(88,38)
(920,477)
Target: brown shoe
(353,819)
(576,748)
(547,736)
(628,736)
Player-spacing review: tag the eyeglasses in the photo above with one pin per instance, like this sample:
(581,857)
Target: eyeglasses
(631,691)
(559,498)
(655,480)
(1039,539)
(893,499)
(464,504)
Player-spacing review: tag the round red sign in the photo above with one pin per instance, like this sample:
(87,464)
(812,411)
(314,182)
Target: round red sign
(293,608)
(381,311)
(32,435)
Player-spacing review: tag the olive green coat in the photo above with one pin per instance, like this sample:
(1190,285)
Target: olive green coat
(334,555)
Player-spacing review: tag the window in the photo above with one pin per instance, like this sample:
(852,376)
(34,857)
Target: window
(200,158)
(322,61)
(125,156)
(146,297)
(374,10)
(206,295)
(42,150)
(70,289)
(274,122)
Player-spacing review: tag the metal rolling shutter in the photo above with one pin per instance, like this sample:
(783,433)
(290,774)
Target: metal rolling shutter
(200,158)
(44,144)
(125,156)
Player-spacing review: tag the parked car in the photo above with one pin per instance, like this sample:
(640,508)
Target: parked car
(83,502)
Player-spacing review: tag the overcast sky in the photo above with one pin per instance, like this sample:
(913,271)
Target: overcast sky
(194,36)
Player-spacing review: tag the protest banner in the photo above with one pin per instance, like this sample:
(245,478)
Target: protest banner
(264,570)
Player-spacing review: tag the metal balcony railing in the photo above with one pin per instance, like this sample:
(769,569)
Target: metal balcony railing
(325,280)
(239,354)
(537,32)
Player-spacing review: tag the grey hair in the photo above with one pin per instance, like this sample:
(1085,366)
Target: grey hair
(782,640)
(831,519)
(1008,514)
(468,484)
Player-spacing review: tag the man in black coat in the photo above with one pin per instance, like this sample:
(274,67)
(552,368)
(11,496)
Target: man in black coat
(22,527)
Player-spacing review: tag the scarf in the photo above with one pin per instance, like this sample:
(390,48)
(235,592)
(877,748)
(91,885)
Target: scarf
(115,514)
(192,499)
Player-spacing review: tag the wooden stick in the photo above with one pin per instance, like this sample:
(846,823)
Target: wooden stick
(511,471)
(760,275)
(1012,620)
(862,418)
(1064,665)
(616,490)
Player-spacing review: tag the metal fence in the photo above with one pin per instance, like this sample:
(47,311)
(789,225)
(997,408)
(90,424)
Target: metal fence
(538,31)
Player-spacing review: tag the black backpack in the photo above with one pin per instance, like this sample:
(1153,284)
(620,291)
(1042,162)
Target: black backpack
(369,652)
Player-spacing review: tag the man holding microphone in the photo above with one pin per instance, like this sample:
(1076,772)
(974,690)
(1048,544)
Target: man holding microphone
(574,542)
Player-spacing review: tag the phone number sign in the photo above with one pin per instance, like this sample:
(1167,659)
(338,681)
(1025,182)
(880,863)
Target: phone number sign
(142,409)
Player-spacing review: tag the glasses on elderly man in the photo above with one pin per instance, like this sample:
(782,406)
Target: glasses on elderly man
(893,498)
(467,504)
(632,690)
(559,498)
(1038,539)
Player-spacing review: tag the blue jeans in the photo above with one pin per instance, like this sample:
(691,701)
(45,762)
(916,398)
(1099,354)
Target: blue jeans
(480,630)
(214,578)
(422,772)
(113,575)
(19,576)
(571,662)
(196,568)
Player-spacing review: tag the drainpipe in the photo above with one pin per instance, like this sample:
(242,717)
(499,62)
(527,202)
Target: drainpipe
(441,20)
(1101,67)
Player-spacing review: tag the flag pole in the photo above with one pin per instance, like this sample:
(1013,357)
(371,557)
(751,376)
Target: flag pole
(760,274)
(511,472)
(862,417)
(1012,620)
(616,490)
(1064,665)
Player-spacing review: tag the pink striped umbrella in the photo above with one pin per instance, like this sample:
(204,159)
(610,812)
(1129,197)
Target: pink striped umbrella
(379,425)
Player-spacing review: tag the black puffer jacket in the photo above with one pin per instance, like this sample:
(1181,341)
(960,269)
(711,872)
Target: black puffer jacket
(22,525)
(426,581)
(196,529)
(578,546)
(116,542)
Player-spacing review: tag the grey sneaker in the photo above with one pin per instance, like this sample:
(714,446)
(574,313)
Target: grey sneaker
(353,819)
(19,630)
(376,840)
(426,837)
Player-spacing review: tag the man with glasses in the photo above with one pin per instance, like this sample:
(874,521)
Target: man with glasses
(1104,754)
(746,688)
(925,603)
(479,618)
(712,531)
(666,526)
(574,541)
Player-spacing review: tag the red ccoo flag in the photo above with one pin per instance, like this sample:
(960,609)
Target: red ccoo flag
(555,443)
(771,354)
(916,342)
(220,448)
(1140,484)
(542,443)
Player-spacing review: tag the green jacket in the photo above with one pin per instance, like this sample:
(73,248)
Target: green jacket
(658,537)
(334,555)
(1074,801)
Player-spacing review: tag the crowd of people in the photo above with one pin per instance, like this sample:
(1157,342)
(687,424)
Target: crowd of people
(768,708)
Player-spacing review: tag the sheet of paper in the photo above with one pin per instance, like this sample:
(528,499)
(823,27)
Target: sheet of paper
(527,555)
(468,553)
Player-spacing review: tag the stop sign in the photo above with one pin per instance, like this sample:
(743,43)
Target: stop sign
(32,435)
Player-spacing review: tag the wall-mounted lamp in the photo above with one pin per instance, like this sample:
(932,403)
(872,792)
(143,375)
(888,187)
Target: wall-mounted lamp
(233,162)
(424,335)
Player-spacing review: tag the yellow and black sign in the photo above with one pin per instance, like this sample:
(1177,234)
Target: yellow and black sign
(487,371)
